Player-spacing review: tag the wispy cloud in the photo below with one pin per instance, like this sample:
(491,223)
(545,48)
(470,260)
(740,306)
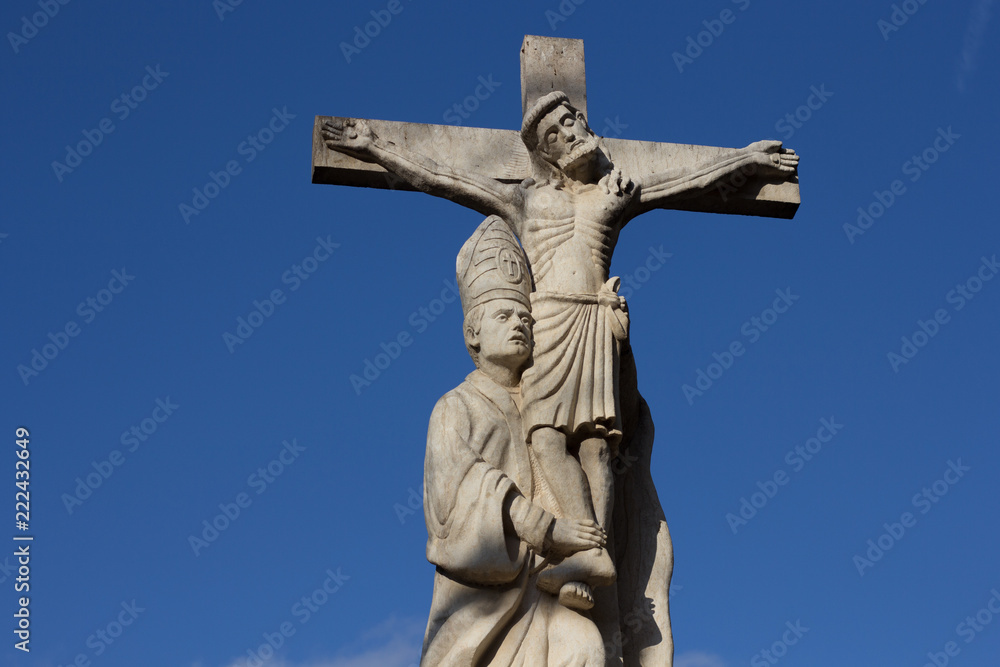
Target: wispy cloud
(698,659)
(973,40)
(394,643)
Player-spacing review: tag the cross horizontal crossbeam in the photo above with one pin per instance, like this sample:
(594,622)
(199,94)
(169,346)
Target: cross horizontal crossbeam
(549,64)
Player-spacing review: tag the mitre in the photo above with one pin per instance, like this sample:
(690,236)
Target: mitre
(491,265)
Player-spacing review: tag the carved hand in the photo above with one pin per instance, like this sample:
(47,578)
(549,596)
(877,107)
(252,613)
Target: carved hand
(352,136)
(772,158)
(570,536)
(616,182)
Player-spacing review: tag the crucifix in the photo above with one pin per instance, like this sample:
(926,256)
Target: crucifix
(549,64)
(564,195)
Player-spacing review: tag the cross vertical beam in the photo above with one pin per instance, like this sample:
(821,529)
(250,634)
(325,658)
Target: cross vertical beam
(553,63)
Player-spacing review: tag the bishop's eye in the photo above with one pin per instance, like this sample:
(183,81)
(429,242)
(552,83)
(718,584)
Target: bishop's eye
(568,121)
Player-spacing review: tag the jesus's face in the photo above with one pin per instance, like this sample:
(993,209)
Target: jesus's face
(564,139)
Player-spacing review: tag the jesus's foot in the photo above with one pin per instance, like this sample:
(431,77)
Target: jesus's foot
(592,567)
(576,595)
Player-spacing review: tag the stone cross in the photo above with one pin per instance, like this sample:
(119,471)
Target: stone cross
(547,64)
(601,541)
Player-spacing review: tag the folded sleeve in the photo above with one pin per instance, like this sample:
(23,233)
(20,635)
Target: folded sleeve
(531,522)
(465,498)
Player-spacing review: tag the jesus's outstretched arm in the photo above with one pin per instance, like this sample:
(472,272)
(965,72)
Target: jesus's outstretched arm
(763,159)
(354,137)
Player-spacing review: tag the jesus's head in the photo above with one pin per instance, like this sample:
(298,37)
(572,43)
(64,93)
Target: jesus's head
(558,133)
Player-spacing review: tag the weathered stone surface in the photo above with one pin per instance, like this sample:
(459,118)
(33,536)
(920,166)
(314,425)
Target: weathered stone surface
(501,155)
(548,65)
(543,520)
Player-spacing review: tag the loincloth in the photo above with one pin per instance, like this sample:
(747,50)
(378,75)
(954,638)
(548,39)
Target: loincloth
(572,384)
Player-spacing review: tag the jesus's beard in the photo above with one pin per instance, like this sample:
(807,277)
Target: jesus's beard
(583,151)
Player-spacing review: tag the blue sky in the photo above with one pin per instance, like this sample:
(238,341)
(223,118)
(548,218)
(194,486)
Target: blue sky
(323,472)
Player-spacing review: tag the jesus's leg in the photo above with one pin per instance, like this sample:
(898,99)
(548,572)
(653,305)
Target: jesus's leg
(572,577)
(595,461)
(562,473)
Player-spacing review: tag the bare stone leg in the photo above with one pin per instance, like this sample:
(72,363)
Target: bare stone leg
(572,578)
(595,461)
(563,473)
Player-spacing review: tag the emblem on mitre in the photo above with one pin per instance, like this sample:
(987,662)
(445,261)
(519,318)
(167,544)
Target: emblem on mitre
(491,265)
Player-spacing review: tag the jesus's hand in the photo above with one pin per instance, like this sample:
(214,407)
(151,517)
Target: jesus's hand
(570,536)
(616,183)
(772,158)
(352,136)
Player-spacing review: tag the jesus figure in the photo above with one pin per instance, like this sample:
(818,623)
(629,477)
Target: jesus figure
(568,218)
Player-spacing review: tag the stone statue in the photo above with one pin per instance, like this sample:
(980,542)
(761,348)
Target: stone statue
(490,527)
(558,527)
(568,217)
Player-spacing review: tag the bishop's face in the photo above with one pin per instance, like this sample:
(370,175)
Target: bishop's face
(505,334)
(564,139)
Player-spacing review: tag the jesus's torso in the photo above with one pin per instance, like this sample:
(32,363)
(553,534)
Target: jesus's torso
(570,235)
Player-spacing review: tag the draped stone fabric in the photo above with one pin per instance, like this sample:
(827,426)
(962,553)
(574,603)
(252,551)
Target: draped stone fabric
(573,380)
(486,609)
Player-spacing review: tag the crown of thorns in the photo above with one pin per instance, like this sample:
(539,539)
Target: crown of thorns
(543,105)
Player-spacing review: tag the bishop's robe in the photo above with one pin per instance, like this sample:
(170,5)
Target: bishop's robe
(486,528)
(486,608)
